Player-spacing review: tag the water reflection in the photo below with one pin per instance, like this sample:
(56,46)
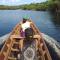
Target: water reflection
(55,18)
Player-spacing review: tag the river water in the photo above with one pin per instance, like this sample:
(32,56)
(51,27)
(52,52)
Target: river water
(42,19)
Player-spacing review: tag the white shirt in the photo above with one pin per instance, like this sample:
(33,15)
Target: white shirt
(25,25)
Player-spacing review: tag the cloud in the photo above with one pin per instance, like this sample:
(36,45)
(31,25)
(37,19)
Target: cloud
(10,0)
(18,2)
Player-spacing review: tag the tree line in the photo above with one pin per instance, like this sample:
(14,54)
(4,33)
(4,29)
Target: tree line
(52,5)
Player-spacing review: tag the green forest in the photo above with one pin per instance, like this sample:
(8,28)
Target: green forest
(35,6)
(51,5)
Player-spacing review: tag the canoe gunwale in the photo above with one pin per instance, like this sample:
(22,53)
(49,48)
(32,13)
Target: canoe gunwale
(37,36)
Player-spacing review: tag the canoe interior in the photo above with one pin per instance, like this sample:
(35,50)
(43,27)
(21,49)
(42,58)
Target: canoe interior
(12,46)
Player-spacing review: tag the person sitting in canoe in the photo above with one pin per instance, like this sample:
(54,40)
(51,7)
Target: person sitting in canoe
(25,25)
(26,31)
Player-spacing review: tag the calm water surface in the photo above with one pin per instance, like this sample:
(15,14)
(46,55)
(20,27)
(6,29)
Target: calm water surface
(42,19)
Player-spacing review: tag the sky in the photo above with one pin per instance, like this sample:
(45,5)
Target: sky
(19,2)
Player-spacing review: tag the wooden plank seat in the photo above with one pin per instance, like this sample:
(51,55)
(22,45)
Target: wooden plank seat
(19,37)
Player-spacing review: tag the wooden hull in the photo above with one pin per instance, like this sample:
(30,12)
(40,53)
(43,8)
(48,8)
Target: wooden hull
(13,44)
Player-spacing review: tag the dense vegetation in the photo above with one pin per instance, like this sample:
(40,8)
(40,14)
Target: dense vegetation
(32,6)
(51,5)
(35,6)
(54,7)
(4,7)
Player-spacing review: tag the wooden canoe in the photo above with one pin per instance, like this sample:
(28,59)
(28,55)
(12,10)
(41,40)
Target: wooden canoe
(15,42)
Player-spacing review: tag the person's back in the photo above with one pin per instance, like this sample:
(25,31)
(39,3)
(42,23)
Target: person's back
(25,24)
(29,33)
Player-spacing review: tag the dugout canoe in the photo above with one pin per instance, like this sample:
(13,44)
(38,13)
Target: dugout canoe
(36,50)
